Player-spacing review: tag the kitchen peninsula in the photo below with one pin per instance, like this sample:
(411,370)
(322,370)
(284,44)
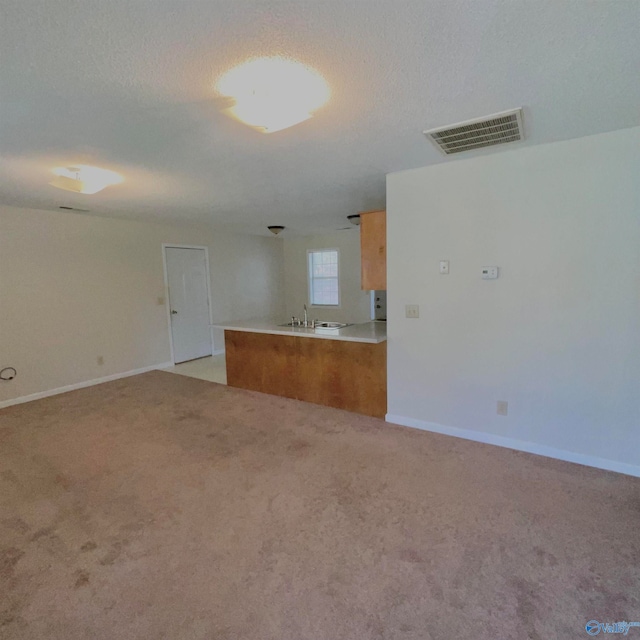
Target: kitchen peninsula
(344,368)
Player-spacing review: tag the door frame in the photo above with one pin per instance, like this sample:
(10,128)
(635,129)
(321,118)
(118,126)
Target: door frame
(167,301)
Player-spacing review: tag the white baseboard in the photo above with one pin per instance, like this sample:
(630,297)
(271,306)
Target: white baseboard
(518,445)
(80,385)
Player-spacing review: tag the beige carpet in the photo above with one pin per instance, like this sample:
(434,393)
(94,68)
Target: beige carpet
(163,506)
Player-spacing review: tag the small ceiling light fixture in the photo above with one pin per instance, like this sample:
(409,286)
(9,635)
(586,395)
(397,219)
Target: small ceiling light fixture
(84,178)
(271,94)
(354,218)
(275,229)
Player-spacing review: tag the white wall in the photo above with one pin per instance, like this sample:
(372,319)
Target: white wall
(354,303)
(558,334)
(73,287)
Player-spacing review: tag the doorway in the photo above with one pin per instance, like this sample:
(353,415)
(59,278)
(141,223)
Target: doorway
(188,302)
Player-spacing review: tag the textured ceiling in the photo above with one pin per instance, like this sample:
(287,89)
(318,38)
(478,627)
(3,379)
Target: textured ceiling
(128,85)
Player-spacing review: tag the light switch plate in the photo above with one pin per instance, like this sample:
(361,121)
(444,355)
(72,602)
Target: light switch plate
(412,311)
(444,267)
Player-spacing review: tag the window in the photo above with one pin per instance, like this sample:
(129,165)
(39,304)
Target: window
(324,289)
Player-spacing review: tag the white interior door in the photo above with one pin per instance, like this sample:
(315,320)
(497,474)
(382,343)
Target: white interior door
(189,303)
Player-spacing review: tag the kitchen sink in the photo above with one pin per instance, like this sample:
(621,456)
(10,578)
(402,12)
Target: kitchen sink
(319,325)
(332,325)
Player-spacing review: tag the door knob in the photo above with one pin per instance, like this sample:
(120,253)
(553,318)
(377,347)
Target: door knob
(174,312)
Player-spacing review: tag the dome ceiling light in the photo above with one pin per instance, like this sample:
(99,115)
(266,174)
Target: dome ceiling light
(271,94)
(84,178)
(276,229)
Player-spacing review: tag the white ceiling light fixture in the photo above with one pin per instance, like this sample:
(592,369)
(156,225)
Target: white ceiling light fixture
(84,178)
(272,94)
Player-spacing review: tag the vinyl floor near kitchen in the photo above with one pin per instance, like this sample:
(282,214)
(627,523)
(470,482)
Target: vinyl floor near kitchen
(211,368)
(165,507)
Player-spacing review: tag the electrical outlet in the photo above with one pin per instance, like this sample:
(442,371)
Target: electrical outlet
(100,360)
(489,273)
(502,408)
(444,267)
(412,311)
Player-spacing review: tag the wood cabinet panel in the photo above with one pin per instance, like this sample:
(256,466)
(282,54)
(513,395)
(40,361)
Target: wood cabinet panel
(345,375)
(373,249)
(261,362)
(335,373)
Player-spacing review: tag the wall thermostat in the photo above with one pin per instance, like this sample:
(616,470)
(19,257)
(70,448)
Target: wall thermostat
(489,273)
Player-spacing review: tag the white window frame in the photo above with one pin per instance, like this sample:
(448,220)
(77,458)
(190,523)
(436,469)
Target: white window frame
(310,278)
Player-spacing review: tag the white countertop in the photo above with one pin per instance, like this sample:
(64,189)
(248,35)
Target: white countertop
(373,332)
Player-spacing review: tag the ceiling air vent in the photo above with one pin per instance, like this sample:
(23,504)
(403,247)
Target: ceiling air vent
(498,128)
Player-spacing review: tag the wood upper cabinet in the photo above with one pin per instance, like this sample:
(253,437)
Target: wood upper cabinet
(373,249)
